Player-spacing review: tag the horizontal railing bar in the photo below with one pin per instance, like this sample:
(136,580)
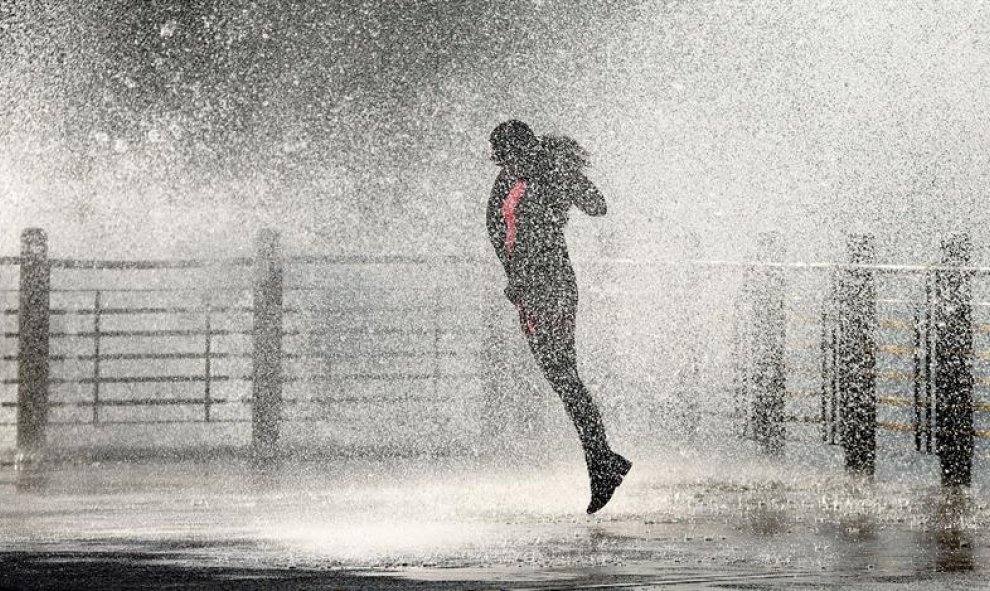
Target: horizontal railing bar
(228,332)
(148,310)
(921,303)
(288,356)
(243,309)
(59,263)
(104,423)
(400,354)
(330,287)
(139,402)
(135,380)
(148,333)
(896,350)
(381,376)
(899,401)
(813,266)
(375,331)
(363,399)
(66,263)
(139,356)
(381,260)
(373,309)
(888,400)
(197,289)
(187,401)
(893,375)
(980,328)
(898,427)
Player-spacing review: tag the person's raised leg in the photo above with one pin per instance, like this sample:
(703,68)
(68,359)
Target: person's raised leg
(554,347)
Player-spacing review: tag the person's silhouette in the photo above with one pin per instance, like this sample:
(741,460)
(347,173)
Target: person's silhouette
(540,179)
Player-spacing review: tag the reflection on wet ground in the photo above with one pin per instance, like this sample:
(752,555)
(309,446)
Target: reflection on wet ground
(458,524)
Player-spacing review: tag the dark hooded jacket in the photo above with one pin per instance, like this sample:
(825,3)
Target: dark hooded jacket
(539,268)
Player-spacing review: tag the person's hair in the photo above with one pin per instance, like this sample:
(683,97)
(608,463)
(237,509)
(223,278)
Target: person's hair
(565,153)
(512,138)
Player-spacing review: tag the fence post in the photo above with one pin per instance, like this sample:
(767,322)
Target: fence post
(856,308)
(769,331)
(828,352)
(953,372)
(921,386)
(32,343)
(267,370)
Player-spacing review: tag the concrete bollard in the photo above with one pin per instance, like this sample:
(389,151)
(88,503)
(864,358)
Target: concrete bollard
(267,370)
(769,332)
(953,364)
(856,310)
(33,336)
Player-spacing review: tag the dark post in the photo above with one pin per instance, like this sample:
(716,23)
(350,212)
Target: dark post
(97,333)
(208,365)
(33,320)
(742,364)
(769,330)
(856,305)
(917,384)
(923,359)
(827,348)
(953,372)
(267,378)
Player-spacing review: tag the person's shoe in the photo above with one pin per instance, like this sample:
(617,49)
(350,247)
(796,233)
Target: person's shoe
(606,480)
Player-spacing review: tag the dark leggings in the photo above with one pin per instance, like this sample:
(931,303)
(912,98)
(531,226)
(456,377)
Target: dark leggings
(550,334)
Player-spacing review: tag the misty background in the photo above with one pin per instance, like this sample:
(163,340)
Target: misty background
(179,129)
(169,128)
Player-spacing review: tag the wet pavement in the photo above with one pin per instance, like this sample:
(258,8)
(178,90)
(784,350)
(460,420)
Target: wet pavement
(682,520)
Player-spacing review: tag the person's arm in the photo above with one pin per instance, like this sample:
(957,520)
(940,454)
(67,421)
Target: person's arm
(496,234)
(515,288)
(496,226)
(585,195)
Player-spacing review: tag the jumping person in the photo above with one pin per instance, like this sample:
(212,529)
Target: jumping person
(540,179)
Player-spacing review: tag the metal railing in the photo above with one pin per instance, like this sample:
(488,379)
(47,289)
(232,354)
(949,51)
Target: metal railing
(100,337)
(910,370)
(118,340)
